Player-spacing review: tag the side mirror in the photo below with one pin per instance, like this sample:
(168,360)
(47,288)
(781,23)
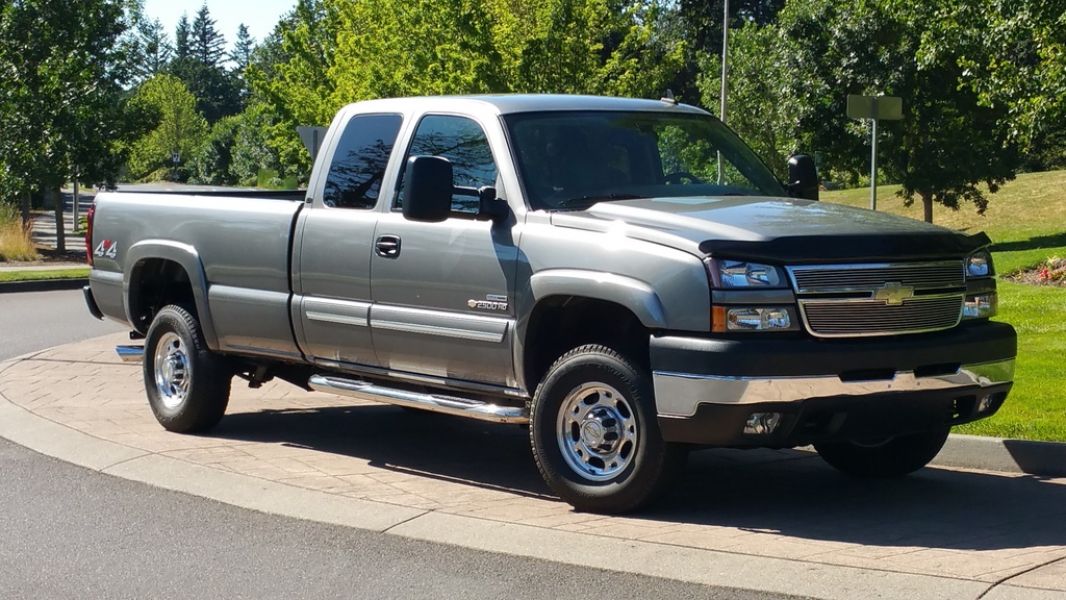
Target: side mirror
(802,177)
(428,197)
(491,207)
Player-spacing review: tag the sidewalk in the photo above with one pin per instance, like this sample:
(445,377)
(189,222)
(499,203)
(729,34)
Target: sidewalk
(775,521)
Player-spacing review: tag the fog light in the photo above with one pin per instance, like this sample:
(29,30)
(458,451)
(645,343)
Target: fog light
(980,306)
(757,319)
(985,403)
(762,423)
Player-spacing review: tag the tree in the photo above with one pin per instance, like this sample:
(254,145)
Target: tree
(762,111)
(207,44)
(198,54)
(1012,55)
(61,103)
(949,147)
(182,41)
(291,83)
(153,50)
(242,50)
(177,130)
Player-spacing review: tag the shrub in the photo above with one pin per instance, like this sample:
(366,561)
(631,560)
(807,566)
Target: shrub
(15,240)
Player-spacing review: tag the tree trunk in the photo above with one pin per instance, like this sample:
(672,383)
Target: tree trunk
(25,202)
(61,234)
(927,207)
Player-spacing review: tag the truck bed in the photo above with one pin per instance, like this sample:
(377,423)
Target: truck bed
(236,243)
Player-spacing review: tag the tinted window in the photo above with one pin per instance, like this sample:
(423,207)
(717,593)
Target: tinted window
(571,160)
(358,166)
(463,142)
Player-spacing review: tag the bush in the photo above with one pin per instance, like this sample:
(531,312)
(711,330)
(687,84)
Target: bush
(1053,271)
(15,240)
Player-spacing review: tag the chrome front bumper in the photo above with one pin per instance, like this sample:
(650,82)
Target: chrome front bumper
(679,395)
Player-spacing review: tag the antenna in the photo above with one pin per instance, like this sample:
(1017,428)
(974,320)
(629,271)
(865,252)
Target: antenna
(669,97)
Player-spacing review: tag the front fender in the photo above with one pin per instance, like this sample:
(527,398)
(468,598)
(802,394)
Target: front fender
(637,296)
(189,259)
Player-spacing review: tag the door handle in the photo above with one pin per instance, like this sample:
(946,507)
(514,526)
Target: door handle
(388,246)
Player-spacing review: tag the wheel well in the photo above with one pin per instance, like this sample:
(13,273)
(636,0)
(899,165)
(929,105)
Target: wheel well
(155,283)
(561,323)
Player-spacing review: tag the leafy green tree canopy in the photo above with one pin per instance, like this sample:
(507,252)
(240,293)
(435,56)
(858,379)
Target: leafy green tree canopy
(176,136)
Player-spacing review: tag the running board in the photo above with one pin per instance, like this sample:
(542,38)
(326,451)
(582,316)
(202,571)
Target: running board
(130,354)
(449,405)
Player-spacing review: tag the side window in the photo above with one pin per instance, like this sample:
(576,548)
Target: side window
(463,142)
(358,166)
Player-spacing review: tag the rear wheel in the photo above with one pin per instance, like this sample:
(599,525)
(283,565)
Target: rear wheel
(595,433)
(188,386)
(893,457)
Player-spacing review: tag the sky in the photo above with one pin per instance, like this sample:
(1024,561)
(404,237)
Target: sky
(259,15)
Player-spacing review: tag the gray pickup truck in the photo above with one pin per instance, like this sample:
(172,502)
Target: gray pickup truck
(623,276)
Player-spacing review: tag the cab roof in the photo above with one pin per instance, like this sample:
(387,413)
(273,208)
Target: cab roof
(522,103)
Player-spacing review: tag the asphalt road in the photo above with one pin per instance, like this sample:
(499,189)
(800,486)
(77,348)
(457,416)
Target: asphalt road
(31,321)
(67,532)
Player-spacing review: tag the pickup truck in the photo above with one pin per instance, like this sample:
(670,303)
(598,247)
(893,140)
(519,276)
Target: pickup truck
(625,277)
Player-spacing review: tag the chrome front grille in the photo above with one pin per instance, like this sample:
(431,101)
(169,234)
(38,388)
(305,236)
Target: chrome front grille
(875,317)
(879,299)
(836,278)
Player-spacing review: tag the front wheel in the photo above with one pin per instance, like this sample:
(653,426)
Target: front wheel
(188,386)
(894,457)
(595,433)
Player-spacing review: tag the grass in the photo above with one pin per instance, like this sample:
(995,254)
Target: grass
(37,275)
(1026,220)
(15,240)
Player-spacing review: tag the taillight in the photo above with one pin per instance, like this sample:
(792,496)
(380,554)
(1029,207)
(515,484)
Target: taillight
(89,233)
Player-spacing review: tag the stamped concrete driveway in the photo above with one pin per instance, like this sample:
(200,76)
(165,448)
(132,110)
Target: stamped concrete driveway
(973,531)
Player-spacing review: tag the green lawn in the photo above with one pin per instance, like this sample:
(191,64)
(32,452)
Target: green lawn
(1026,220)
(36,275)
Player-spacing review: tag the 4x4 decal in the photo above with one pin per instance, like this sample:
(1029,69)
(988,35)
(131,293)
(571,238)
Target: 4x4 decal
(107,249)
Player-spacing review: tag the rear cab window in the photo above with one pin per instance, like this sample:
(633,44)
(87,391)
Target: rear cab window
(358,165)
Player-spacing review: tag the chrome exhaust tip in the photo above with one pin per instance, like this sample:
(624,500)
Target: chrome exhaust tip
(130,354)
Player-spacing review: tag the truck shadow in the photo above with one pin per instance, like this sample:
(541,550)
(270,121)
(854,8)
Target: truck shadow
(790,493)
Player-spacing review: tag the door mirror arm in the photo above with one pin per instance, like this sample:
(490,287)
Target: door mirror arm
(491,207)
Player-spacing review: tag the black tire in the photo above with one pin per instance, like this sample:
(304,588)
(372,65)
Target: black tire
(206,393)
(894,458)
(651,463)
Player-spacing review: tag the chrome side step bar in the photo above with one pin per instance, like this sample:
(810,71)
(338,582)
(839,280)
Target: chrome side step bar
(450,405)
(130,354)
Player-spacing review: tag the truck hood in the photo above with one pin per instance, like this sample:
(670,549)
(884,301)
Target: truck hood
(772,229)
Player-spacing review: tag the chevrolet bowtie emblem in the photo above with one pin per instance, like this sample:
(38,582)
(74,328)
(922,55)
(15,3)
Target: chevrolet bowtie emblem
(894,293)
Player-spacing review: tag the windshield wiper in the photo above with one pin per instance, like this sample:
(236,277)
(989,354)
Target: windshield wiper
(591,199)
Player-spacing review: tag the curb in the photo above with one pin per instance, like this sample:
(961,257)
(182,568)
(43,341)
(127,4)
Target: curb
(43,285)
(717,568)
(1046,459)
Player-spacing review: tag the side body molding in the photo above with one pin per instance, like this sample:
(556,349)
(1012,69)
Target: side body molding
(189,259)
(631,293)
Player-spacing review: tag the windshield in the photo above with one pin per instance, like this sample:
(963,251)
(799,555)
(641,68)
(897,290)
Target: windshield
(571,160)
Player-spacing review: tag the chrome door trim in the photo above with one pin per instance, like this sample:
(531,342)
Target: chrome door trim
(342,312)
(439,323)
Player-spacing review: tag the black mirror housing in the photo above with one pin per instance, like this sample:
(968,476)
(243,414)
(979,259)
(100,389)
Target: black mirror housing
(430,182)
(802,177)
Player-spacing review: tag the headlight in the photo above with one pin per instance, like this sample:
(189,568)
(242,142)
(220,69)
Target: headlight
(751,318)
(739,274)
(979,264)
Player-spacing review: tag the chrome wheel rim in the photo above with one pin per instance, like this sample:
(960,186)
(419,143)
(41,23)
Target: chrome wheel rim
(173,371)
(597,431)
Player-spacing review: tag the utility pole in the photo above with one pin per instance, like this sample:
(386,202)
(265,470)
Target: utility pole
(873,163)
(725,75)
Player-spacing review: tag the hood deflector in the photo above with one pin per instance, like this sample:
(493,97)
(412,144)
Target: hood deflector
(851,248)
